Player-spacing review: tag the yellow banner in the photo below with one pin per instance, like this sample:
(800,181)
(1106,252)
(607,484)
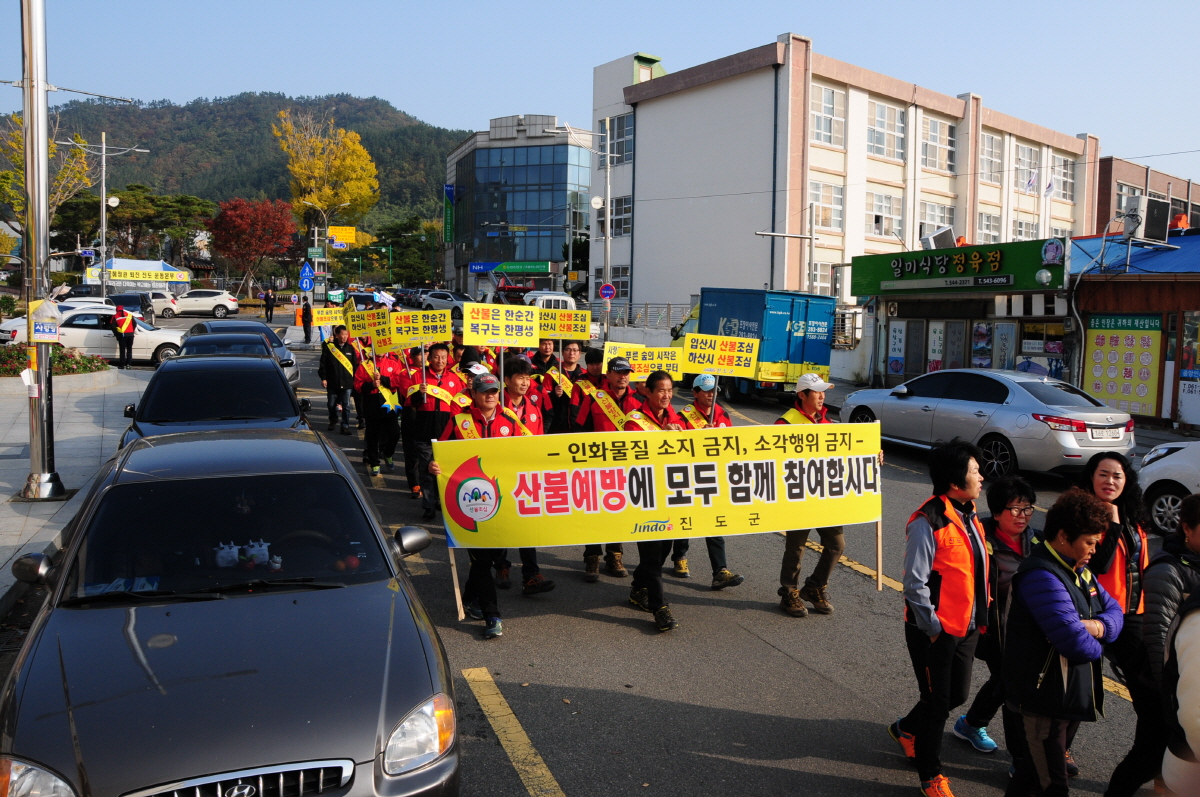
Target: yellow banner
(328,316)
(342,235)
(362,324)
(565,324)
(720,354)
(141,276)
(500,325)
(425,326)
(612,347)
(646,360)
(628,486)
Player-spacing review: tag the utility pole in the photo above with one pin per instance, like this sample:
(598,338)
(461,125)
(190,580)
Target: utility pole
(608,220)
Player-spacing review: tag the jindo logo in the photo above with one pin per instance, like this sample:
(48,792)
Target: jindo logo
(473,496)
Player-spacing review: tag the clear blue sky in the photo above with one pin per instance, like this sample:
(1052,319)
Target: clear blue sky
(1125,72)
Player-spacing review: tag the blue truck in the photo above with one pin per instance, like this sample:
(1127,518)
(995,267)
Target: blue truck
(795,330)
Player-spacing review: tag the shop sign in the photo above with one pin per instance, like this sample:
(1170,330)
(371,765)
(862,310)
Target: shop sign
(1188,362)
(895,362)
(991,268)
(981,345)
(937,346)
(1122,361)
(1004,348)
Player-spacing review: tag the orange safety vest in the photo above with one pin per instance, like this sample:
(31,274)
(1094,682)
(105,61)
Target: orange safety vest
(952,582)
(1116,580)
(125,323)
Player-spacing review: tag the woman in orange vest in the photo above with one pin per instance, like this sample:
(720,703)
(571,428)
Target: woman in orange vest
(945,606)
(1120,561)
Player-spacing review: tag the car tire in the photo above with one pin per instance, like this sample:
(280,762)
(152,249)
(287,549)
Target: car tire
(1162,506)
(164,353)
(168,313)
(456,312)
(999,458)
(220,312)
(862,415)
(429,308)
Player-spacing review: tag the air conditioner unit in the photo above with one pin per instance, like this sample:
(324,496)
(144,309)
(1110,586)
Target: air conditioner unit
(942,238)
(1147,219)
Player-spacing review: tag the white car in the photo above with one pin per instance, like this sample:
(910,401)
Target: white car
(165,304)
(88,327)
(446,300)
(205,301)
(1170,473)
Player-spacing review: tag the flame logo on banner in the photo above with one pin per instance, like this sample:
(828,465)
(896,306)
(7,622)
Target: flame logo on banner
(472,496)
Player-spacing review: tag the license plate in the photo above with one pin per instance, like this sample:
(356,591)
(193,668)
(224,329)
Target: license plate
(1105,434)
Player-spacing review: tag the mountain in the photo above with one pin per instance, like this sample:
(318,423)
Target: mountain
(223,148)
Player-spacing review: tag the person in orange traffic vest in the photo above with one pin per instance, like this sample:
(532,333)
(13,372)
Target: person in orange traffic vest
(124,327)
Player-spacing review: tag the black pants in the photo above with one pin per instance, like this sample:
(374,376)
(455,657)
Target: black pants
(1144,760)
(308,333)
(479,584)
(716,552)
(409,440)
(648,574)
(529,562)
(990,699)
(833,543)
(1043,772)
(609,547)
(943,670)
(269,311)
(124,350)
(382,434)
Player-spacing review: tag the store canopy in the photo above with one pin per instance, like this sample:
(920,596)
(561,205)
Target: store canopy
(1085,254)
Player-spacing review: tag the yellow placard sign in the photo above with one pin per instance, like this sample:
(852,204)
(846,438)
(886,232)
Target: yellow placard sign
(565,324)
(646,360)
(500,325)
(720,354)
(612,347)
(1122,358)
(629,486)
(328,316)
(342,235)
(361,324)
(425,326)
(140,276)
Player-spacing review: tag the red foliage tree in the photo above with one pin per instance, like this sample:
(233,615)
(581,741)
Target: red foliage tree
(246,233)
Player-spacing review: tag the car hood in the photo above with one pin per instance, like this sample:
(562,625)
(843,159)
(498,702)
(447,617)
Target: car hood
(155,694)
(144,429)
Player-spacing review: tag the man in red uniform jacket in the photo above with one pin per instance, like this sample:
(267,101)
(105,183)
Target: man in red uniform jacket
(435,393)
(379,383)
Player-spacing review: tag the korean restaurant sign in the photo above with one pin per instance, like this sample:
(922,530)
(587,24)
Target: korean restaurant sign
(991,268)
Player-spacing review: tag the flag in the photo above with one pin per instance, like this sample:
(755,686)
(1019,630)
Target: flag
(1031,183)
(1050,186)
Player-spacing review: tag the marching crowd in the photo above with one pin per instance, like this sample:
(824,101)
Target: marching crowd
(1040,607)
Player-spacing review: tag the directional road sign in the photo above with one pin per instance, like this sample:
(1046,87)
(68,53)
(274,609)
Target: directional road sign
(608,291)
(316,251)
(306,283)
(295,298)
(341,246)
(307,271)
(87,252)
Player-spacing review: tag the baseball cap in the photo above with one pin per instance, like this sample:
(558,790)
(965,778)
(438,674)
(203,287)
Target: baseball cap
(812,382)
(704,382)
(619,364)
(482,383)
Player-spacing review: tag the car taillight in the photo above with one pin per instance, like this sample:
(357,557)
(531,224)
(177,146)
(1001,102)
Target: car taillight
(12,334)
(1061,424)
(1129,425)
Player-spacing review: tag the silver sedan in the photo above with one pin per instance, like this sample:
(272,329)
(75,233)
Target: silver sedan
(1021,421)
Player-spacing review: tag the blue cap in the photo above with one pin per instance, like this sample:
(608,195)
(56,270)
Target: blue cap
(704,382)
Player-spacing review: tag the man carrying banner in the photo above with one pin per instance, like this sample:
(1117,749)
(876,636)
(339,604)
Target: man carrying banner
(435,394)
(591,380)
(605,411)
(483,420)
(559,384)
(705,413)
(336,371)
(377,383)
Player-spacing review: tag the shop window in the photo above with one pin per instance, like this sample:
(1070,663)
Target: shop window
(1042,339)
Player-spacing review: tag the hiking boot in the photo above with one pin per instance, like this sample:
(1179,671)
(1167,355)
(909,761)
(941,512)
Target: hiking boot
(938,787)
(723,579)
(680,570)
(391,466)
(492,628)
(536,585)
(664,619)
(791,604)
(977,737)
(640,597)
(907,742)
(615,568)
(502,581)
(818,597)
(374,470)
(591,569)
(1072,767)
(416,493)
(473,609)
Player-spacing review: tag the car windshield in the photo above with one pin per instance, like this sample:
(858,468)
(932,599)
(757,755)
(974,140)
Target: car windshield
(219,534)
(252,329)
(199,346)
(144,325)
(1059,394)
(462,297)
(194,395)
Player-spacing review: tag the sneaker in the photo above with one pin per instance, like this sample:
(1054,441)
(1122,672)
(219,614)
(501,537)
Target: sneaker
(681,568)
(374,470)
(664,619)
(907,742)
(536,585)
(818,597)
(428,514)
(640,597)
(1072,767)
(615,568)
(791,604)
(723,579)
(978,737)
(591,569)
(938,787)
(502,581)
(492,628)
(391,466)
(473,609)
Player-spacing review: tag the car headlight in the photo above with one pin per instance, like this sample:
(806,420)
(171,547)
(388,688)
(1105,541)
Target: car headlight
(22,779)
(423,736)
(1158,452)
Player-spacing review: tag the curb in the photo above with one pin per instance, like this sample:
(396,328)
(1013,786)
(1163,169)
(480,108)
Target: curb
(69,383)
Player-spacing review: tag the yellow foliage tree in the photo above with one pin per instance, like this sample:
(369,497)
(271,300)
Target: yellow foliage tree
(329,166)
(70,170)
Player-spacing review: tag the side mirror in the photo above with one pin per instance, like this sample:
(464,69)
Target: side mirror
(900,390)
(305,405)
(412,539)
(675,331)
(130,410)
(286,363)
(32,568)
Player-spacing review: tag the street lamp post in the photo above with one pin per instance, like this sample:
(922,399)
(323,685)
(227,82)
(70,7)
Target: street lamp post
(325,215)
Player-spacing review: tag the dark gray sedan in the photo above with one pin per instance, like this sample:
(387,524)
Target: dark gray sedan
(228,618)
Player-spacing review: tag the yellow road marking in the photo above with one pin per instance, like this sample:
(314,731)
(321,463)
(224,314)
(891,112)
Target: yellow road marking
(416,565)
(524,757)
(745,418)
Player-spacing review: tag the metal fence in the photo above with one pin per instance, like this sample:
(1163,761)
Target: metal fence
(648,315)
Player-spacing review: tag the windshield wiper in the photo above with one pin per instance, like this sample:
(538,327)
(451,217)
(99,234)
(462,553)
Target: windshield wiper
(301,582)
(156,595)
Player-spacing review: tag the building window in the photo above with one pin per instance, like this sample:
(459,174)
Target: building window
(1024,230)
(622,145)
(620,281)
(622,217)
(645,73)
(989,228)
(885,130)
(1194,220)
(829,116)
(1125,194)
(990,157)
(937,145)
(1026,171)
(884,215)
(1064,178)
(1060,232)
(934,217)
(1178,206)
(820,279)
(828,201)
(1156,195)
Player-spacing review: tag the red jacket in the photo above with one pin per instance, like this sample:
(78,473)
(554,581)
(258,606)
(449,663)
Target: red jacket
(391,375)
(451,382)
(498,426)
(670,416)
(591,418)
(530,412)
(719,419)
(797,415)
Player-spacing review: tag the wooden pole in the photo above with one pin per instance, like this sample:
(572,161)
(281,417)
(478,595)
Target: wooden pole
(462,615)
(879,555)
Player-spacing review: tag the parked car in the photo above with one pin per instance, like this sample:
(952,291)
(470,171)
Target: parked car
(218,392)
(447,300)
(243,569)
(80,300)
(165,304)
(139,304)
(362,299)
(237,326)
(1020,421)
(417,297)
(1170,473)
(203,301)
(88,327)
(225,343)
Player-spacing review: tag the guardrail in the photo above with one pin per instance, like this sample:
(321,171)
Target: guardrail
(648,315)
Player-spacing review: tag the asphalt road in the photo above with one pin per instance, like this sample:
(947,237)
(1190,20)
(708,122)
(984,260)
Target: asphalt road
(741,699)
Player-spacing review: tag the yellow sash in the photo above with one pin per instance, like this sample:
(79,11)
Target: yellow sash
(610,408)
(795,416)
(125,324)
(467,428)
(586,386)
(694,417)
(562,379)
(512,416)
(641,421)
(439,392)
(340,357)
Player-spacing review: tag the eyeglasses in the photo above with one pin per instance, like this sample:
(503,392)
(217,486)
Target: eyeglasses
(1019,511)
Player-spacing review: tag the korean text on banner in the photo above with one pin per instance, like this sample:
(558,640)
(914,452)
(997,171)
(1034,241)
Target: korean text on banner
(614,349)
(420,327)
(1122,361)
(720,354)
(630,486)
(566,324)
(500,325)
(327,316)
(362,324)
(646,360)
